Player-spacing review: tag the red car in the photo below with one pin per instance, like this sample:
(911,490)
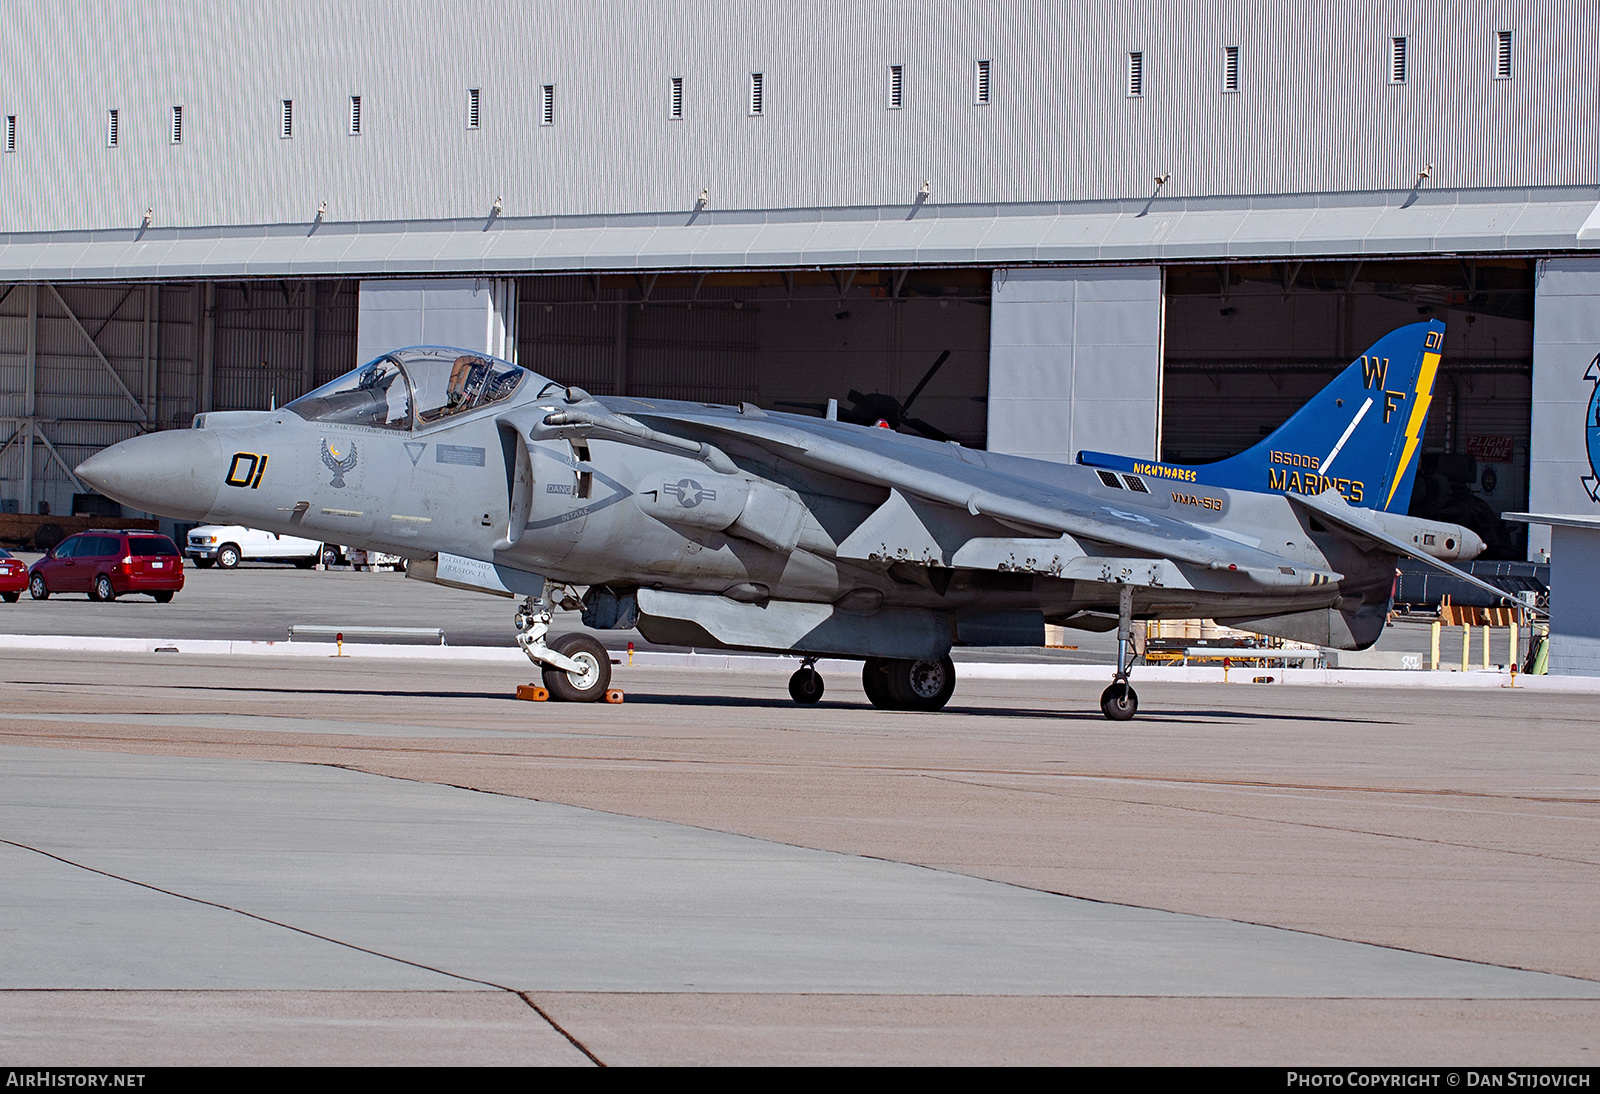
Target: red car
(107,563)
(13,577)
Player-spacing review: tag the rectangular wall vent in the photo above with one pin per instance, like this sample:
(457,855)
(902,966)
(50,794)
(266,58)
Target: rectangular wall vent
(1502,55)
(113,130)
(1135,75)
(286,120)
(472,108)
(758,103)
(547,105)
(11,132)
(175,126)
(675,101)
(980,83)
(1230,69)
(897,87)
(1397,60)
(355,115)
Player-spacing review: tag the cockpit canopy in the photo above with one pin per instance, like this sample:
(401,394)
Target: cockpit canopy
(412,389)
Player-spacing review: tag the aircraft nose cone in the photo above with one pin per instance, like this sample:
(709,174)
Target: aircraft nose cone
(174,474)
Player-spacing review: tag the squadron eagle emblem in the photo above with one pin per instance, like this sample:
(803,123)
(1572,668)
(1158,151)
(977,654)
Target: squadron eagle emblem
(337,463)
(1591,431)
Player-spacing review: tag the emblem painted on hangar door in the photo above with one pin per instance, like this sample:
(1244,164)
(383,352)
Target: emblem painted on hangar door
(1591,431)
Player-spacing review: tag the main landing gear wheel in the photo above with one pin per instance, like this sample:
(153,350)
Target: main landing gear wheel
(903,684)
(102,590)
(37,588)
(572,687)
(875,682)
(1119,702)
(805,686)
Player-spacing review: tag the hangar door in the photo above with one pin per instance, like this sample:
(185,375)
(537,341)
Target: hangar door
(1246,345)
(782,339)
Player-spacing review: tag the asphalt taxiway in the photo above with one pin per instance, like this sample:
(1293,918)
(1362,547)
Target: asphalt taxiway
(230,859)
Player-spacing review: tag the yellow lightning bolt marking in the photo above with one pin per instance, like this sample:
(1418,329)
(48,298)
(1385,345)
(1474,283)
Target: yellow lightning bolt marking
(1419,411)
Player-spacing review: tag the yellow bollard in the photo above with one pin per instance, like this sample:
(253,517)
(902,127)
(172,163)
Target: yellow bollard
(1515,648)
(1434,662)
(1466,645)
(1486,647)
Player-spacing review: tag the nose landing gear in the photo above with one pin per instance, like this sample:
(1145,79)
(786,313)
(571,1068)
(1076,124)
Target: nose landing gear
(576,668)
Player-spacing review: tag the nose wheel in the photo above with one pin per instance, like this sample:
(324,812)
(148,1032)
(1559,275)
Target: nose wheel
(576,668)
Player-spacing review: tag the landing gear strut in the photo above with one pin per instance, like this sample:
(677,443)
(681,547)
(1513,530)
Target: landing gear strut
(805,686)
(576,668)
(1119,702)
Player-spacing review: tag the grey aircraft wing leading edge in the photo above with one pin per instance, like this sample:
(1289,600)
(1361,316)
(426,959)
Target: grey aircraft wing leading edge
(734,527)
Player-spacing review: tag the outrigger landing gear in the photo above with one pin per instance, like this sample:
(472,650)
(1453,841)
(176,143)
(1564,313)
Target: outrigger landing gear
(805,686)
(1119,702)
(576,668)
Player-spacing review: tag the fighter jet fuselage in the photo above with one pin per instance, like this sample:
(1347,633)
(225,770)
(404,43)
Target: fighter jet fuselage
(711,525)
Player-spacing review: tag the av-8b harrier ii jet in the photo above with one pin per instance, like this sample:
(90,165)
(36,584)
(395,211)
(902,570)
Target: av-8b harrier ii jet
(733,527)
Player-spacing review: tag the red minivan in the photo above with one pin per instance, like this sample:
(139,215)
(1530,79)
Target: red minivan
(107,563)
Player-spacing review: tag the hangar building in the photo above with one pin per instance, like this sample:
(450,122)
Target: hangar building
(1134,226)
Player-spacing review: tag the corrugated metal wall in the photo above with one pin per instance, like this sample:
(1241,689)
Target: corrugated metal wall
(277,340)
(1315,110)
(773,338)
(82,400)
(655,340)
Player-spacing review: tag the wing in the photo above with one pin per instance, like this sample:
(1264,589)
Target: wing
(1374,529)
(1084,537)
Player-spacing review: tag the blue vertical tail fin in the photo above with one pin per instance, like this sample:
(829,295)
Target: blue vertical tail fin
(1360,435)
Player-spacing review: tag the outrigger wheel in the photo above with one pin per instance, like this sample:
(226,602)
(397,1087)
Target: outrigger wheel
(1119,702)
(805,686)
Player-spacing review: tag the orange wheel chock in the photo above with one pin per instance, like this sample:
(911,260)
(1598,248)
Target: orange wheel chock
(614,695)
(533,693)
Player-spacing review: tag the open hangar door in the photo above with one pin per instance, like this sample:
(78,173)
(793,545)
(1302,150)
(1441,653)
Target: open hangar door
(84,365)
(781,339)
(1247,344)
